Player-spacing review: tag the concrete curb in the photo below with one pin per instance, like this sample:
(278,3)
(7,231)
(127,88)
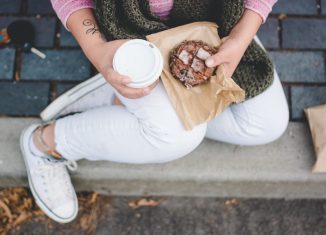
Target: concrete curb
(278,170)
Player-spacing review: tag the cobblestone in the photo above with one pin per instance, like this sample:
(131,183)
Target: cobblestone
(23,98)
(7,58)
(303,97)
(300,66)
(268,33)
(62,88)
(298,7)
(323,7)
(304,33)
(40,7)
(66,38)
(44,28)
(9,6)
(68,65)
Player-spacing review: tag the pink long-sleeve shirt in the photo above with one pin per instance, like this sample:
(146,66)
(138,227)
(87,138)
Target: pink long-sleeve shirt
(162,8)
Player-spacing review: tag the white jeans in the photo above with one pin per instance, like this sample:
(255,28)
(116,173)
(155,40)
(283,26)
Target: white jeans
(148,130)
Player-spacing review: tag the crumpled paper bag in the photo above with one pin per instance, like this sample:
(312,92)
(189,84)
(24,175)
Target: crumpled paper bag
(203,102)
(317,122)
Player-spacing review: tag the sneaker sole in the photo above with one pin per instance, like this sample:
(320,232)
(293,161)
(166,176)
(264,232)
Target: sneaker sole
(38,200)
(55,108)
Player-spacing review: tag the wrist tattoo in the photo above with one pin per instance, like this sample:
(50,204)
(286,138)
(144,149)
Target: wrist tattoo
(92,29)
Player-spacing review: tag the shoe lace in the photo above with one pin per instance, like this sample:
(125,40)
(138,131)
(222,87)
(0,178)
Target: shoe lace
(55,175)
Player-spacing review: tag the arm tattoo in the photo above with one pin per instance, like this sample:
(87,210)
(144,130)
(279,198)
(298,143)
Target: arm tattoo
(92,28)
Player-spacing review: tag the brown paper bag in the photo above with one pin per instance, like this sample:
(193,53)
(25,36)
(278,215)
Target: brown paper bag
(317,122)
(203,102)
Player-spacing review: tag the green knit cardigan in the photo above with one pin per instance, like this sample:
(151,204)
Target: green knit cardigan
(122,19)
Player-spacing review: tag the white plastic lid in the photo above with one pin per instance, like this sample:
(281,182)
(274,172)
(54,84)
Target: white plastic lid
(140,60)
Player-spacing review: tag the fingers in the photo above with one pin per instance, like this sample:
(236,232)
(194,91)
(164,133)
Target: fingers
(133,93)
(220,57)
(116,78)
(215,60)
(120,82)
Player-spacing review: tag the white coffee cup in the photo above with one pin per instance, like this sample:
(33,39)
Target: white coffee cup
(140,60)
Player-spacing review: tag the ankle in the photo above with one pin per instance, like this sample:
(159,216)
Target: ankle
(36,142)
(43,138)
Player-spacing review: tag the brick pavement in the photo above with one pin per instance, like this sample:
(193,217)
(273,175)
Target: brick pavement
(295,34)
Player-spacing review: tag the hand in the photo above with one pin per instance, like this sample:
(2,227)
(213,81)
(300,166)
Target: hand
(234,46)
(229,53)
(101,56)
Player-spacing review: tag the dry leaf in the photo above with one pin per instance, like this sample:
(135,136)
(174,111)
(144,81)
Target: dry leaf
(143,202)
(22,218)
(282,16)
(6,210)
(94,198)
(231,202)
(89,213)
(19,204)
(38,212)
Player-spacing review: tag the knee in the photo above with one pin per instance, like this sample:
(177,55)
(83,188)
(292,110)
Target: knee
(277,127)
(191,139)
(278,121)
(271,130)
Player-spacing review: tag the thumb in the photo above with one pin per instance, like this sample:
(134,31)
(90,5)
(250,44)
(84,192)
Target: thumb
(215,60)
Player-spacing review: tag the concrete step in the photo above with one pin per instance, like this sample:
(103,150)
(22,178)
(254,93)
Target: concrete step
(278,170)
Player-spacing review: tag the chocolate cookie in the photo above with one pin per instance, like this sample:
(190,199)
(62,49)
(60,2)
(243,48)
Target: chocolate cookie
(187,62)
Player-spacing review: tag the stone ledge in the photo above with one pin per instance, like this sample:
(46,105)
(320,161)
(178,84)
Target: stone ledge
(278,170)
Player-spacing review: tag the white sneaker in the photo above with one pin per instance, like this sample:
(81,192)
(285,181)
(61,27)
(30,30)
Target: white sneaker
(49,181)
(91,93)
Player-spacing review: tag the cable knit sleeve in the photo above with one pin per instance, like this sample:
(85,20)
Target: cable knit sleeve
(262,7)
(64,8)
